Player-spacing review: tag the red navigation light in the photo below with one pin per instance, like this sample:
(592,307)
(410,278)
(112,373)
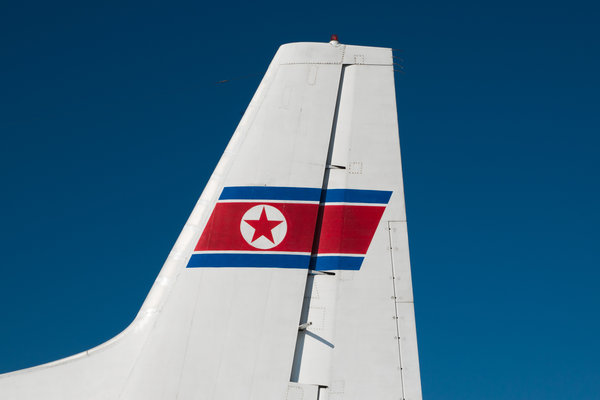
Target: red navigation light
(334,38)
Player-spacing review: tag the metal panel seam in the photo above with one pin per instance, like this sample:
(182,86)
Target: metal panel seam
(389,228)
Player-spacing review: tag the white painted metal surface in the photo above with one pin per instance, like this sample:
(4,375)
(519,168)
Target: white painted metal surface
(368,314)
(229,332)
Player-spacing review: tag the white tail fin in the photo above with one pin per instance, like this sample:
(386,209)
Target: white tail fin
(291,278)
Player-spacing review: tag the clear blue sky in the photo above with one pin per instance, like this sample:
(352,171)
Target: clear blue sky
(111,124)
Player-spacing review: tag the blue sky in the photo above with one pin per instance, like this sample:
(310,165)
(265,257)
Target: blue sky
(111,124)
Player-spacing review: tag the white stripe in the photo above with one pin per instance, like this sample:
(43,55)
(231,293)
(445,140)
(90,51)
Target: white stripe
(329,203)
(341,203)
(339,255)
(299,253)
(269,201)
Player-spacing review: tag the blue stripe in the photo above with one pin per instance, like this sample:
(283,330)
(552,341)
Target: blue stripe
(304,194)
(325,263)
(248,260)
(270,193)
(357,196)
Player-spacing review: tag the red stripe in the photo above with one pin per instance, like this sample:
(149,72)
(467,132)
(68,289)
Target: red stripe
(222,231)
(348,229)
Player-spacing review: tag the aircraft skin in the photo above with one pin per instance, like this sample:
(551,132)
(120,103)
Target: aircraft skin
(291,278)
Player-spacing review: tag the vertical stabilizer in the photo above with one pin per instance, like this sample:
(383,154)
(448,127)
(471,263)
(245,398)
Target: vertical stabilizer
(291,278)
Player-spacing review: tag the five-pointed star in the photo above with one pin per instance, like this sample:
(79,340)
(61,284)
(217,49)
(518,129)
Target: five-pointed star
(262,226)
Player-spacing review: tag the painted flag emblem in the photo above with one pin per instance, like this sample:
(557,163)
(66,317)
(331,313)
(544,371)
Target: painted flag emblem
(276,227)
(263,227)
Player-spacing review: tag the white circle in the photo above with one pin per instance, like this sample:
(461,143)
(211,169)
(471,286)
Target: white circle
(268,220)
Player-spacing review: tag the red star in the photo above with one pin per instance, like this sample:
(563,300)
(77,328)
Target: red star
(262,226)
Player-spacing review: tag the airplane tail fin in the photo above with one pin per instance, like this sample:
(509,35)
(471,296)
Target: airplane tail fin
(291,278)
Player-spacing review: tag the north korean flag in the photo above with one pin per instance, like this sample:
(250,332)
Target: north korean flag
(289,227)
